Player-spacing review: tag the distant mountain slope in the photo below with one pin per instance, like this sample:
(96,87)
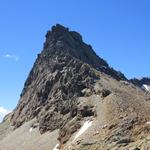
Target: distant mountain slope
(140,82)
(143,83)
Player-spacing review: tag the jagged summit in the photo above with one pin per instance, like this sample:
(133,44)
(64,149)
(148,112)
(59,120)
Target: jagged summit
(60,41)
(62,70)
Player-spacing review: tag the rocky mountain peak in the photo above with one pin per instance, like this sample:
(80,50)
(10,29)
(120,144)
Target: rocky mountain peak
(69,90)
(65,70)
(60,41)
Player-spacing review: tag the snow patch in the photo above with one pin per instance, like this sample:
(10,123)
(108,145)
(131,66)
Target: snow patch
(146,87)
(148,122)
(30,130)
(104,126)
(55,148)
(85,126)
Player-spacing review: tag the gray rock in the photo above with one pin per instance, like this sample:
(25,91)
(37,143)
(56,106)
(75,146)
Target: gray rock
(60,73)
(124,141)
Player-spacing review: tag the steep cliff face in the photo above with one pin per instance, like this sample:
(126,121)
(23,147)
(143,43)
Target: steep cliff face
(60,73)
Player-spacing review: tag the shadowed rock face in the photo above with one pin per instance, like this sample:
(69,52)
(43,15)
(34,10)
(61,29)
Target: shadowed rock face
(62,70)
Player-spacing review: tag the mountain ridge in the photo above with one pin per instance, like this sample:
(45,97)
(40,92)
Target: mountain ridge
(64,69)
(70,86)
(141,81)
(60,47)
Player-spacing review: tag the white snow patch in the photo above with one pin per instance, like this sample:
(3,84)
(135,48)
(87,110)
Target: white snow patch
(85,126)
(146,87)
(55,148)
(30,130)
(148,122)
(104,126)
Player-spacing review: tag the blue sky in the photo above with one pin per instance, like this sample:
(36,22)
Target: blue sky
(118,30)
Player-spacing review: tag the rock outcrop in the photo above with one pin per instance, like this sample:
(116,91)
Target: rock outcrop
(141,82)
(60,73)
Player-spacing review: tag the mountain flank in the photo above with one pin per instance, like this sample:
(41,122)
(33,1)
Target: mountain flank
(60,73)
(73,100)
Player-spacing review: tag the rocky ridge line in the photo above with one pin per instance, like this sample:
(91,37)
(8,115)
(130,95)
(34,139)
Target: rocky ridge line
(64,71)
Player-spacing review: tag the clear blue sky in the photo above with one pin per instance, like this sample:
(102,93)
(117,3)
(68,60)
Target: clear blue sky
(118,30)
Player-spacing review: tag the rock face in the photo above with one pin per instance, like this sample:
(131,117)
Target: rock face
(143,83)
(60,73)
